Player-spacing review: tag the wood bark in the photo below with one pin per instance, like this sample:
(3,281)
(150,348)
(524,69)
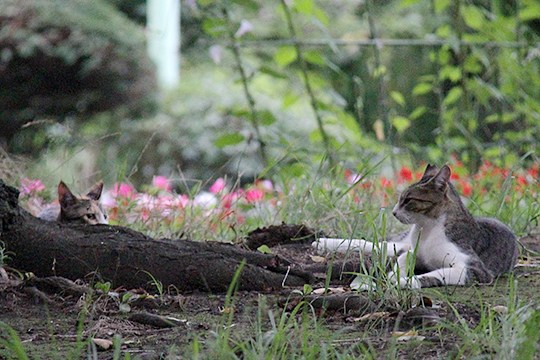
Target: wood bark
(130,259)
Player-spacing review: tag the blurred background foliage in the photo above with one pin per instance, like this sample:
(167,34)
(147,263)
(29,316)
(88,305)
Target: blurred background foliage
(78,97)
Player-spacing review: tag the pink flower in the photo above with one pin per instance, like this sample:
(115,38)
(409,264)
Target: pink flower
(182,201)
(31,186)
(265,184)
(162,183)
(228,200)
(254,195)
(217,186)
(123,190)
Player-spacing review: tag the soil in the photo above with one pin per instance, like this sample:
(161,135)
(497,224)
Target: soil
(55,324)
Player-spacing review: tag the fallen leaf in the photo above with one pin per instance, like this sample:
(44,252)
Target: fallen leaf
(102,344)
(371,316)
(330,290)
(500,309)
(403,336)
(317,259)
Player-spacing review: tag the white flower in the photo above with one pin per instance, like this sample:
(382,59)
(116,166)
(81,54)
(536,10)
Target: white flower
(216,52)
(205,200)
(245,27)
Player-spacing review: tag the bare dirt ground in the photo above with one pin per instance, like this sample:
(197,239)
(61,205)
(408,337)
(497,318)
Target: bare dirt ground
(53,325)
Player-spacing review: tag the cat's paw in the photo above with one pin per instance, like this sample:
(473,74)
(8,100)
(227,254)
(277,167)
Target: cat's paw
(410,283)
(362,283)
(405,282)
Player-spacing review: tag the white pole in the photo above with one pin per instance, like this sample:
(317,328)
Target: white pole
(163,32)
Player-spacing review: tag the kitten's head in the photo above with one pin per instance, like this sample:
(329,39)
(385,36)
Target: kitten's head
(426,200)
(84,209)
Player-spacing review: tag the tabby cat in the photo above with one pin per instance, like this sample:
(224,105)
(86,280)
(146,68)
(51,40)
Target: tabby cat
(452,247)
(85,209)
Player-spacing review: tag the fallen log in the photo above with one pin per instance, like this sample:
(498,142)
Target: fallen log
(130,259)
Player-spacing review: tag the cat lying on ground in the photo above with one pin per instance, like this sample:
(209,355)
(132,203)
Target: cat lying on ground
(452,247)
(85,209)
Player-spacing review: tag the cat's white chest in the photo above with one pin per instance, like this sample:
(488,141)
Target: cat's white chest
(434,249)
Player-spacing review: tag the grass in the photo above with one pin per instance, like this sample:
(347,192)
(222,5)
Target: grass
(499,321)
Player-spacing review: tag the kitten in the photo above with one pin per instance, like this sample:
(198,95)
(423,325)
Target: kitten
(452,247)
(72,209)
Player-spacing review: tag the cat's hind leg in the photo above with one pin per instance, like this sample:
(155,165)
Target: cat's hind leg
(456,275)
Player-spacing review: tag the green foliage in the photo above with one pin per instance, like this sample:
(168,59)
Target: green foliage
(72,58)
(271,102)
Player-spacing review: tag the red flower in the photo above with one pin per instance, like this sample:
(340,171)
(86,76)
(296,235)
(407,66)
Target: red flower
(533,171)
(405,174)
(466,188)
(385,183)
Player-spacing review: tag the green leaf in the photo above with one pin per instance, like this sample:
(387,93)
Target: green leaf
(264,249)
(228,140)
(266,117)
(422,89)
(285,55)
(314,57)
(307,289)
(530,12)
(401,123)
(289,99)
(248,4)
(419,111)
(472,64)
(294,170)
(214,26)
(272,72)
(441,5)
(406,3)
(304,6)
(473,17)
(453,95)
(321,16)
(452,73)
(379,71)
(397,97)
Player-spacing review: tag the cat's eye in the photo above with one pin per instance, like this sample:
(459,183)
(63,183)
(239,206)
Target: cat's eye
(91,216)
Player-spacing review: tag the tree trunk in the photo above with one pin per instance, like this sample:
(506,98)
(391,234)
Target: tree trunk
(130,259)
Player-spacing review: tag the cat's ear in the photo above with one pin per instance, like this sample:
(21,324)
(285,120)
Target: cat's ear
(95,191)
(65,196)
(443,177)
(431,171)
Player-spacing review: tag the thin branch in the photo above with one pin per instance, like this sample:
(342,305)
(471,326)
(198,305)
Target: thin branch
(307,83)
(251,101)
(382,100)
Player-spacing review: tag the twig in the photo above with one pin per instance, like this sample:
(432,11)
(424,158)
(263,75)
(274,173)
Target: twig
(307,84)
(383,106)
(251,102)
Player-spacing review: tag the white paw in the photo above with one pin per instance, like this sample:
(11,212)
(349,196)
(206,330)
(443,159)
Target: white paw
(363,283)
(409,283)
